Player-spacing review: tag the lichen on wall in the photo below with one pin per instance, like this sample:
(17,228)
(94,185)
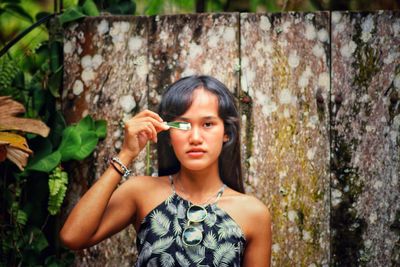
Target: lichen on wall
(285,76)
(105,76)
(324,158)
(365,138)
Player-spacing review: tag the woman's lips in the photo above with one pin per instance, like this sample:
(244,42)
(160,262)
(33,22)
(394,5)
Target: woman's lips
(196,153)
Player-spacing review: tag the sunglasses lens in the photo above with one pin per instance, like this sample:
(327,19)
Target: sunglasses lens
(196,213)
(192,236)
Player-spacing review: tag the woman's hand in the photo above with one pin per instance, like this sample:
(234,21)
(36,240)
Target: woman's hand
(143,127)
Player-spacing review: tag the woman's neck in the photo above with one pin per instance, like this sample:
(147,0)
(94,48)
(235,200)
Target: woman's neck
(198,185)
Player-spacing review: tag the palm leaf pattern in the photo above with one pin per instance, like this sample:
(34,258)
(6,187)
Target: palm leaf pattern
(159,223)
(159,239)
(167,260)
(210,241)
(172,208)
(145,254)
(228,228)
(181,210)
(224,255)
(177,227)
(196,253)
(162,244)
(182,260)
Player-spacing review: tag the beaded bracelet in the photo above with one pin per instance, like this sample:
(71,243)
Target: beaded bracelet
(125,171)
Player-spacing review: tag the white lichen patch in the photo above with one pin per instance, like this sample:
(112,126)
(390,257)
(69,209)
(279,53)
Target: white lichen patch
(293,59)
(318,50)
(265,24)
(213,40)
(103,27)
(323,35)
(292,215)
(306,236)
(194,50)
(396,81)
(286,26)
(86,61)
(304,77)
(348,49)
(88,76)
(372,218)
(324,80)
(312,123)
(276,248)
(97,60)
(391,57)
(336,17)
(77,88)
(118,32)
(286,97)
(207,66)
(367,26)
(396,28)
(378,185)
(336,197)
(127,103)
(310,32)
(135,43)
(311,153)
(69,47)
(229,34)
(268,106)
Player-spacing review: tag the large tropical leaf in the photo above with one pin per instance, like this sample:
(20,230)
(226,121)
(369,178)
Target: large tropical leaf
(9,109)
(162,244)
(224,254)
(159,223)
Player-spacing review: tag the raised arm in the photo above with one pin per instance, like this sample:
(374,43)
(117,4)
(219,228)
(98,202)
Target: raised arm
(104,210)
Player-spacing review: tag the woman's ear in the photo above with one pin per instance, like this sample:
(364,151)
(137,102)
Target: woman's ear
(226,138)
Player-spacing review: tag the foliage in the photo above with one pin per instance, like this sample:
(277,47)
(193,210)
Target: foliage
(31,74)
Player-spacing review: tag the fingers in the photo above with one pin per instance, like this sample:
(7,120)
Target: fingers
(148,122)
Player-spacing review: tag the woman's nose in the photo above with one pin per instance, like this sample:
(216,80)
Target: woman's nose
(195,135)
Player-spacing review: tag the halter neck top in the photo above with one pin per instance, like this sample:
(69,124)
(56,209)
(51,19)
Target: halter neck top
(159,239)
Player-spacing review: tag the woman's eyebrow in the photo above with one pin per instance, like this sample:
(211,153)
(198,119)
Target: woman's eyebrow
(202,118)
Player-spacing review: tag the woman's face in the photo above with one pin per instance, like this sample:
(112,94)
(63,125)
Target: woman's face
(199,147)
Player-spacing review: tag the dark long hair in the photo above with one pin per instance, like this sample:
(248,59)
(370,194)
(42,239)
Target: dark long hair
(176,100)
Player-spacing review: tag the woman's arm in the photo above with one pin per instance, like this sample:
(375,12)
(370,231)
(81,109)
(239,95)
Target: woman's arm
(103,211)
(258,246)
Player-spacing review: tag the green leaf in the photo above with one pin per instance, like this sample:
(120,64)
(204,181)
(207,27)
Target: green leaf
(21,217)
(55,82)
(89,143)
(38,241)
(71,14)
(70,143)
(47,163)
(19,11)
(101,128)
(123,8)
(90,8)
(58,181)
(57,127)
(86,124)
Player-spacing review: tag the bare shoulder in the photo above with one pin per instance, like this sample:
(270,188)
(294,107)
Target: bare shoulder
(249,205)
(141,187)
(248,211)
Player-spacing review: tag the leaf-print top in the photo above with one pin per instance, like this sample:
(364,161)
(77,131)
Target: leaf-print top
(159,239)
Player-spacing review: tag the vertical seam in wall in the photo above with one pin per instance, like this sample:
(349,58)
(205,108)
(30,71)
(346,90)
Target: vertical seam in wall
(330,139)
(238,90)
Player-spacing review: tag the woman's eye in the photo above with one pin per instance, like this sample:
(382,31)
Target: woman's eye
(208,124)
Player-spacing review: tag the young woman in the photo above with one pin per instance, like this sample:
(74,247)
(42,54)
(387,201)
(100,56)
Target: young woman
(195,213)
